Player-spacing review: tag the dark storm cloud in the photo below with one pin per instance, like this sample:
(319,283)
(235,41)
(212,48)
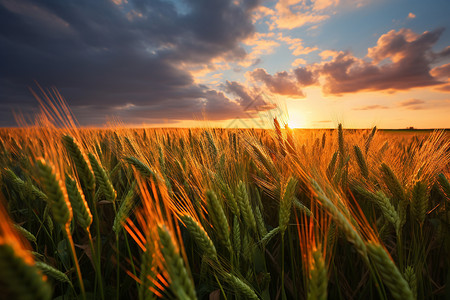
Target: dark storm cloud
(103,56)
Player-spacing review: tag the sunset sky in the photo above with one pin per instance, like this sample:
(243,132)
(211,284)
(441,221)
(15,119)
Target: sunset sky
(232,63)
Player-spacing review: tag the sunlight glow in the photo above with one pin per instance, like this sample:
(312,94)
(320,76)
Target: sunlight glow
(296,121)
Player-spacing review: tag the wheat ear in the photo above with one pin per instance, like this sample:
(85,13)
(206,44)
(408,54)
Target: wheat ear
(25,233)
(287,197)
(52,272)
(80,161)
(245,207)
(419,201)
(20,279)
(389,272)
(182,283)
(219,219)
(445,185)
(361,162)
(57,198)
(124,210)
(102,178)
(80,207)
(341,220)
(146,273)
(318,281)
(200,237)
(241,287)
(381,200)
(410,277)
(145,171)
(393,184)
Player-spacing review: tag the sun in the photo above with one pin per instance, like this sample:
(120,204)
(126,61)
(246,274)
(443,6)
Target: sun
(296,121)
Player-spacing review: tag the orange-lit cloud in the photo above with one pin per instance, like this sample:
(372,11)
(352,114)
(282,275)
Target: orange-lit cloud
(371,107)
(411,15)
(261,44)
(328,54)
(296,45)
(294,13)
(441,71)
(412,104)
(298,61)
(400,61)
(290,14)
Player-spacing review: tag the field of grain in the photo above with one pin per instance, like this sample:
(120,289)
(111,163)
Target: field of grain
(124,213)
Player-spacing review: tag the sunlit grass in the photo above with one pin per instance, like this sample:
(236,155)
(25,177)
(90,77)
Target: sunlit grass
(226,213)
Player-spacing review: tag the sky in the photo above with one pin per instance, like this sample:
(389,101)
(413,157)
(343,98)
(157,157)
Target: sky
(237,63)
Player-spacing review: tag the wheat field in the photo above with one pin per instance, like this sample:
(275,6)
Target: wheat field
(204,213)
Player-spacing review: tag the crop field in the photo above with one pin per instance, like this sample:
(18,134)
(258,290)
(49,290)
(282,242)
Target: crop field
(123,213)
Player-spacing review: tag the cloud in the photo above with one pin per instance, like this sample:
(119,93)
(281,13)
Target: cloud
(400,61)
(298,61)
(261,44)
(281,83)
(305,76)
(290,14)
(294,13)
(444,88)
(411,16)
(296,45)
(250,100)
(412,104)
(371,107)
(106,54)
(328,54)
(441,71)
